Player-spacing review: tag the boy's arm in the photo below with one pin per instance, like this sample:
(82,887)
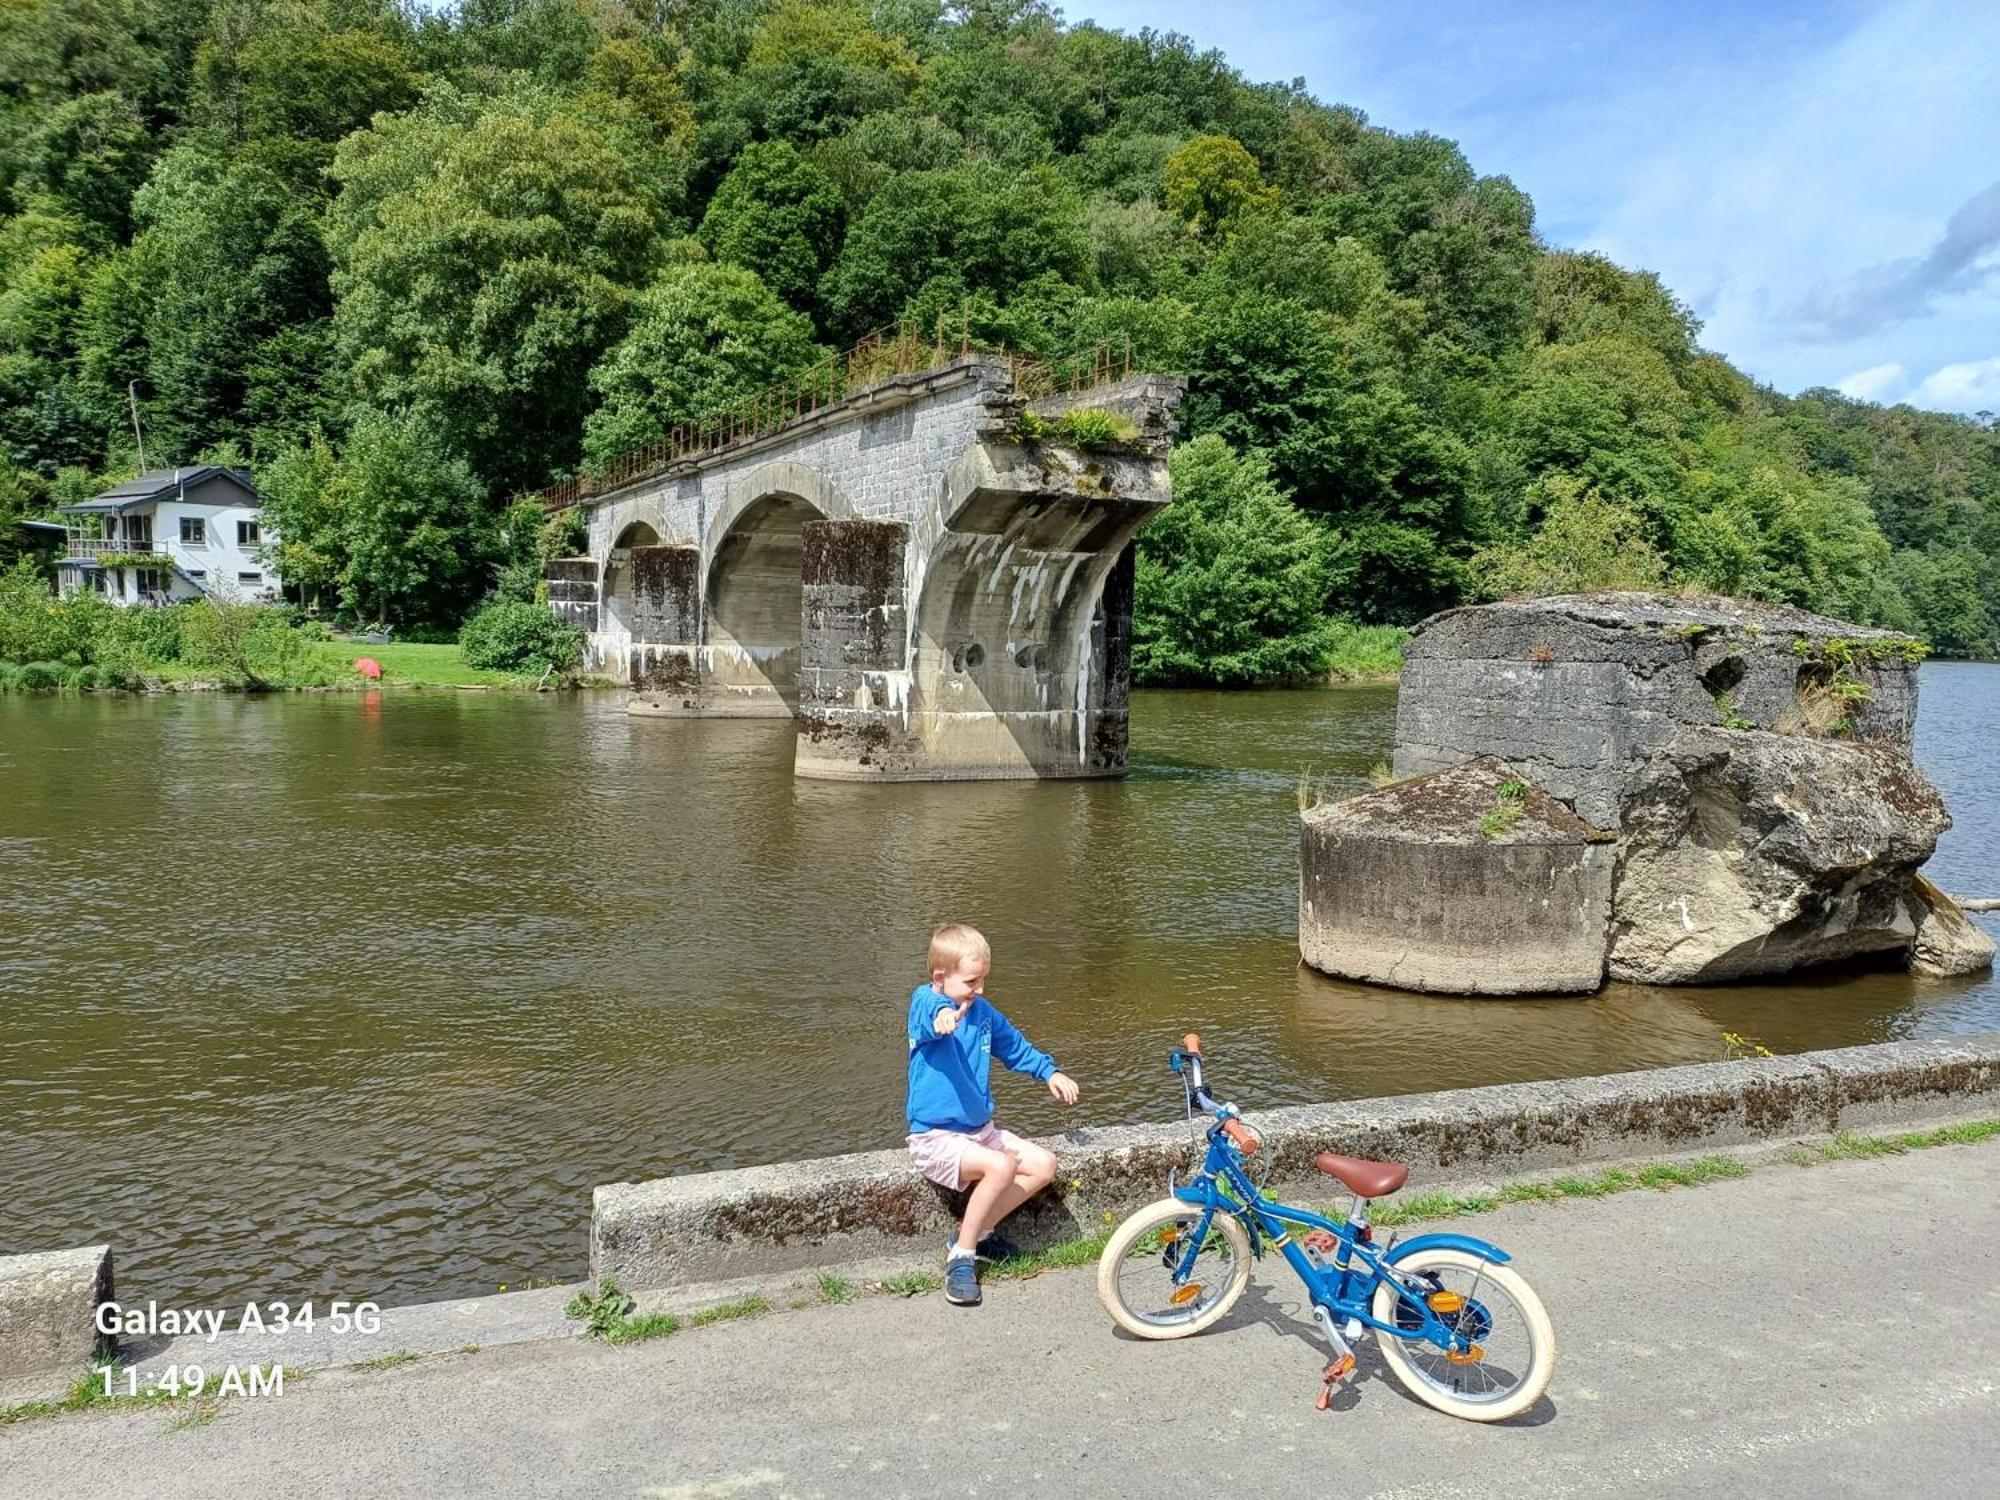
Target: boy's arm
(924,1008)
(1017,1052)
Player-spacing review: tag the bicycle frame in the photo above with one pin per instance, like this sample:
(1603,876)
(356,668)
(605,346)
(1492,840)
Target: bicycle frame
(1345,1285)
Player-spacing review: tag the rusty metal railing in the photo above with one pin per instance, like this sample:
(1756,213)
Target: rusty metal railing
(882,355)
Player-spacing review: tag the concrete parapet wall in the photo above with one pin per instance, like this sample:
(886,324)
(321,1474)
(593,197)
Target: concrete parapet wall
(759,1220)
(48,1304)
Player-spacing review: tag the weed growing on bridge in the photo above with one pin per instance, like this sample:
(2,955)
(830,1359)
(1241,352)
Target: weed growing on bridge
(911,1283)
(834,1288)
(1511,802)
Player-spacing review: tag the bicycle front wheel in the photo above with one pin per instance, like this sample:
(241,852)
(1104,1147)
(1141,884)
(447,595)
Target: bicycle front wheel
(1513,1344)
(1136,1274)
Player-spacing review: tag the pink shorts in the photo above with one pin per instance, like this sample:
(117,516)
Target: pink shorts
(937,1152)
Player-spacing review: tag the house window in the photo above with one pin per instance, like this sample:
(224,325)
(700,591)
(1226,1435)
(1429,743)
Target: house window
(197,574)
(152,581)
(246,534)
(194,531)
(249,577)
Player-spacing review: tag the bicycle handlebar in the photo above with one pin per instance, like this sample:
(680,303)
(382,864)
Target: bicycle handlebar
(1234,1128)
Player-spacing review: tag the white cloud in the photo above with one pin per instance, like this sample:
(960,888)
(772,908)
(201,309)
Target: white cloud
(1969,386)
(1881,296)
(1876,383)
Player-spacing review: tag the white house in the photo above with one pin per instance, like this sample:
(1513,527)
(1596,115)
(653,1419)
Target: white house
(169,535)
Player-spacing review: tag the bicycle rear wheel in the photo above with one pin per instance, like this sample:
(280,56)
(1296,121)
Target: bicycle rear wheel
(1513,1350)
(1135,1278)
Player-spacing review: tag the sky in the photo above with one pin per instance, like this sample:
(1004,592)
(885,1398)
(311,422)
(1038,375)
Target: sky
(1820,182)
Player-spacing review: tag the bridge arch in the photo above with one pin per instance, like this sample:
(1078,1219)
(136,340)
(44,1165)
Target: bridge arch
(619,575)
(753,618)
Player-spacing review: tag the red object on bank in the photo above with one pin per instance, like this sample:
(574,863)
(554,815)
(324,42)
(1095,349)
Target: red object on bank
(368,667)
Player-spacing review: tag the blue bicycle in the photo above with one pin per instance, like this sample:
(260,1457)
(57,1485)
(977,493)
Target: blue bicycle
(1459,1327)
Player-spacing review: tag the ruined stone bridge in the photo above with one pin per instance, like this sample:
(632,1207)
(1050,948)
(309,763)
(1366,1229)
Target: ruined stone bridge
(933,585)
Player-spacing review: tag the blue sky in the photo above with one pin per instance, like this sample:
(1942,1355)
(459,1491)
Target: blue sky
(1819,181)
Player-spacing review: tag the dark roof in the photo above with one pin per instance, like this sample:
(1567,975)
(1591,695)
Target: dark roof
(156,483)
(55,526)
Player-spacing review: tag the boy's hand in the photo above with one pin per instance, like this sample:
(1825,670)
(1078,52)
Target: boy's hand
(945,1022)
(1063,1087)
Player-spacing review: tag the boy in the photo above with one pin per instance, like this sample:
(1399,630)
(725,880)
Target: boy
(955,1032)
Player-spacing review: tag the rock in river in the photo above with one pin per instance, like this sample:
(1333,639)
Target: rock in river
(1747,852)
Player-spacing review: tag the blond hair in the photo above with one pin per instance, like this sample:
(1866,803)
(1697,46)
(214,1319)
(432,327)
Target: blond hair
(955,942)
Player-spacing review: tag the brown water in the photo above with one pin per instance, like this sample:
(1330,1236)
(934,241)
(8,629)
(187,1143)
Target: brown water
(346,996)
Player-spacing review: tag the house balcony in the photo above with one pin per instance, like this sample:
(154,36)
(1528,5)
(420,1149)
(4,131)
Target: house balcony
(93,548)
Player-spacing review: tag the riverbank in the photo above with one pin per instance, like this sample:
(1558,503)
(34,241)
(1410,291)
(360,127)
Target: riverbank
(1684,1366)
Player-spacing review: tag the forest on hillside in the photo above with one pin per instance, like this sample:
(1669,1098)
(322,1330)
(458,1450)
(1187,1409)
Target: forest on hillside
(410,262)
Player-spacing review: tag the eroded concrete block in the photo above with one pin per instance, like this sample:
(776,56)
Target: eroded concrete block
(1578,690)
(48,1302)
(1466,881)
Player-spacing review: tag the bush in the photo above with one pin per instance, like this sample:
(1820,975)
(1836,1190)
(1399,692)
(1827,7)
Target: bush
(43,677)
(1231,579)
(517,637)
(35,626)
(139,638)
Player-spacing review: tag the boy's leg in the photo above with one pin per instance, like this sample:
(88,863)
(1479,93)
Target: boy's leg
(1001,1182)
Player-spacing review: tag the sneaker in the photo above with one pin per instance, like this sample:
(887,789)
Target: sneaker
(991,1247)
(961,1281)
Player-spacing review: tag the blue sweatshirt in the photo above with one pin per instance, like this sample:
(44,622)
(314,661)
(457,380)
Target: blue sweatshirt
(949,1087)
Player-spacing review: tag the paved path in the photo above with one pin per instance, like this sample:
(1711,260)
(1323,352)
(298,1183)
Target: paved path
(1795,1333)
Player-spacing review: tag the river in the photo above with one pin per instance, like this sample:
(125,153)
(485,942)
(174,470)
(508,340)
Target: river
(358,995)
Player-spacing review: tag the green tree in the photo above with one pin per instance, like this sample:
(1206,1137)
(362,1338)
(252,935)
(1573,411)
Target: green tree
(1585,542)
(1210,182)
(779,216)
(982,226)
(701,336)
(418,541)
(1230,578)
(484,257)
(235,305)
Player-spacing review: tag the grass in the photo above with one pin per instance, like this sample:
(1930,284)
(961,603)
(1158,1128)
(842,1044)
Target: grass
(725,1312)
(911,1283)
(834,1288)
(1366,653)
(1846,1147)
(608,1314)
(1510,803)
(412,664)
(387,1361)
(86,1393)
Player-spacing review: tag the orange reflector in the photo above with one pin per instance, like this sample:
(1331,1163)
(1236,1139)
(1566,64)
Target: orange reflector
(1185,1295)
(1445,1302)
(1169,1236)
(1470,1356)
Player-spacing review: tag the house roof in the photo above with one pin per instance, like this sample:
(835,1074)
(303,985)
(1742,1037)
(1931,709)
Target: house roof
(56,527)
(155,484)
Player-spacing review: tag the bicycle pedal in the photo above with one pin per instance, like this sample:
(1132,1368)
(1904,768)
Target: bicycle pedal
(1338,1370)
